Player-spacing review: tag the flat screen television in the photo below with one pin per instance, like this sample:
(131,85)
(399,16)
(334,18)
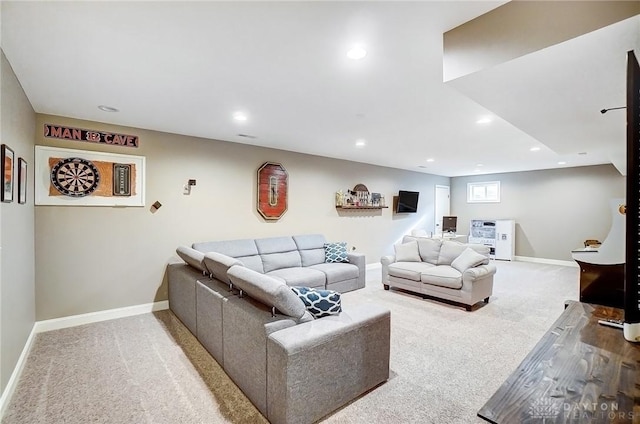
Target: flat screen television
(449,224)
(407,201)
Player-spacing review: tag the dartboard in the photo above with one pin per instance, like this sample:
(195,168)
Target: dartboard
(75,177)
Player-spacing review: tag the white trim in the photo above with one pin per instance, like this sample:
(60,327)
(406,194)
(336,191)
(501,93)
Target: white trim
(7,394)
(65,322)
(545,261)
(74,320)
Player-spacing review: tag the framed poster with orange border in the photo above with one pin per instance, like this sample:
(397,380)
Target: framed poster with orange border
(273,183)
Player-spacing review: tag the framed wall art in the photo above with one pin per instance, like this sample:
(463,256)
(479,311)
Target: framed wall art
(7,158)
(22,181)
(272,190)
(68,177)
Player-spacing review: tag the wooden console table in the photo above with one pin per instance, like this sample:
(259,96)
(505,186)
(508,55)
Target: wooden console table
(579,372)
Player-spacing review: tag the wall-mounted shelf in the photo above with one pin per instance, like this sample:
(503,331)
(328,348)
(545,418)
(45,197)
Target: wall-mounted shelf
(359,199)
(361,207)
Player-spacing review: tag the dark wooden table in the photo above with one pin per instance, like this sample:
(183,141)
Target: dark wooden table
(579,372)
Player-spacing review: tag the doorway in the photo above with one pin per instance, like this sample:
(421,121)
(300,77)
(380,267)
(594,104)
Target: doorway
(442,206)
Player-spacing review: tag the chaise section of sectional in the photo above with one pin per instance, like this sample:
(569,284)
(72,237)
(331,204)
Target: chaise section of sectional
(316,367)
(294,368)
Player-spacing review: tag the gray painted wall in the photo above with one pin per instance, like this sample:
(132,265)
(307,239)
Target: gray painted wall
(97,258)
(17,275)
(555,210)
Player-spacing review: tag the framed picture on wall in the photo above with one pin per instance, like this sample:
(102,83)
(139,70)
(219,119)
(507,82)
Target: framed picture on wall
(7,158)
(69,177)
(22,181)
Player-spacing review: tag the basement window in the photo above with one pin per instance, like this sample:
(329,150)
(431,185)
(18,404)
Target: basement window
(483,192)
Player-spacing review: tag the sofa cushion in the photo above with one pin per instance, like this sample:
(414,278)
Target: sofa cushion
(320,303)
(407,252)
(337,272)
(449,251)
(335,252)
(192,257)
(267,290)
(311,248)
(429,249)
(467,259)
(300,276)
(275,245)
(273,261)
(443,276)
(218,264)
(253,262)
(409,270)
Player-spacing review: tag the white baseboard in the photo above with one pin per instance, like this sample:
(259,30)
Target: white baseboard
(74,320)
(545,261)
(71,321)
(7,394)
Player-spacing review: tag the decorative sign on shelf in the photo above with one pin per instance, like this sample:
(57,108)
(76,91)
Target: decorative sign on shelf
(90,136)
(359,198)
(67,177)
(272,190)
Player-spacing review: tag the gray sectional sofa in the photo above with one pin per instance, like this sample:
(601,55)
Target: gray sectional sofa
(293,367)
(296,260)
(441,269)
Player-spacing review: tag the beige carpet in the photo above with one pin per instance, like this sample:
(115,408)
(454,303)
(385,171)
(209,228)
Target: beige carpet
(445,362)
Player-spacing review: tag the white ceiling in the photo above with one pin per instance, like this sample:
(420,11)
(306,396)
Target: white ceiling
(185,68)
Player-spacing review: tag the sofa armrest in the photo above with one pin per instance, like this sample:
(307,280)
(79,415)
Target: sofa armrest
(386,261)
(316,367)
(479,272)
(358,259)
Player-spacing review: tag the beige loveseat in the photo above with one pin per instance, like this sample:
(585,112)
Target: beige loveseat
(441,269)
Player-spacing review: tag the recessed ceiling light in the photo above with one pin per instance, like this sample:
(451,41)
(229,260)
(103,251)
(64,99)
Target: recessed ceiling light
(240,116)
(535,149)
(430,160)
(356,53)
(484,120)
(479,164)
(562,162)
(107,108)
(361,142)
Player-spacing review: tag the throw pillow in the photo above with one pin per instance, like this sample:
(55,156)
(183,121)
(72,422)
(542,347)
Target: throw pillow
(468,259)
(320,303)
(335,252)
(407,252)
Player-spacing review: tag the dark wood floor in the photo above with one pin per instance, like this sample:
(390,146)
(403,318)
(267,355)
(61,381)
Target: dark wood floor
(579,372)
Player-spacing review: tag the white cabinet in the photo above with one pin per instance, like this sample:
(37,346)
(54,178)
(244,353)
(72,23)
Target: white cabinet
(498,234)
(505,243)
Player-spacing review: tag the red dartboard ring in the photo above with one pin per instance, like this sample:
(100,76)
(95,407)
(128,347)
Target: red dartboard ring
(75,177)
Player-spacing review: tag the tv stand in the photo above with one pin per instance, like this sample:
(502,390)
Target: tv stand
(580,371)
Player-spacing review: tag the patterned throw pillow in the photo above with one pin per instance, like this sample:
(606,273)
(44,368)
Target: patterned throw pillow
(320,303)
(335,252)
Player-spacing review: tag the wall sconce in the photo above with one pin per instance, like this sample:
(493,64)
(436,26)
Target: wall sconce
(186,190)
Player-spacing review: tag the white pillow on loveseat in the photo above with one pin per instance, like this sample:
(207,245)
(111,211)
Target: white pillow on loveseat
(407,252)
(469,258)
